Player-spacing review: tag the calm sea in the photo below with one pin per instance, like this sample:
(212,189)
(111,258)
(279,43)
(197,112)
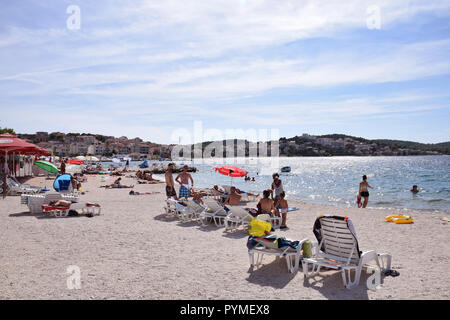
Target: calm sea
(335,180)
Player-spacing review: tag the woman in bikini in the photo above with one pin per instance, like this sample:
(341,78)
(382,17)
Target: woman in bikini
(364,191)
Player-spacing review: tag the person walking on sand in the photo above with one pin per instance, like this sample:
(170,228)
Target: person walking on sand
(183,179)
(170,185)
(364,191)
(62,169)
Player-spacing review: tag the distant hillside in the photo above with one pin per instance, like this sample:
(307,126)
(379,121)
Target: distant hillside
(443,147)
(444,144)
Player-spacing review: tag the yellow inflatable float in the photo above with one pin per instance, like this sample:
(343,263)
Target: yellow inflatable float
(400,219)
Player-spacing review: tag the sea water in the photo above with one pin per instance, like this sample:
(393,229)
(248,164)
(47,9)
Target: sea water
(335,180)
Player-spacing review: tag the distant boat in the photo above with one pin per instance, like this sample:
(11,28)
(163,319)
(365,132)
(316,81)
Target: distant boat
(286,169)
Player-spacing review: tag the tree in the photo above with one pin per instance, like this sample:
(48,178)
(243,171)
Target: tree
(7,130)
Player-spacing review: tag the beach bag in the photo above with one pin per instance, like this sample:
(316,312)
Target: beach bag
(259,228)
(306,248)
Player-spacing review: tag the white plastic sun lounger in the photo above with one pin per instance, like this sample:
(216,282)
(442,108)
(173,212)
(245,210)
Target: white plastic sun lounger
(15,188)
(192,211)
(35,201)
(291,255)
(214,194)
(214,212)
(27,188)
(237,217)
(338,249)
(173,208)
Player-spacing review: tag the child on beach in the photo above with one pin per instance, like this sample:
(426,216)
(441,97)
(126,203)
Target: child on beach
(358,201)
(284,207)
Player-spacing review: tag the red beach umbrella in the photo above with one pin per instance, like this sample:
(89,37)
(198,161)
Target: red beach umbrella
(233,172)
(10,144)
(75,161)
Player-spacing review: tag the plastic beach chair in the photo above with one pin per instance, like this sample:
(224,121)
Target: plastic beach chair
(264,247)
(337,248)
(174,208)
(237,217)
(214,212)
(192,211)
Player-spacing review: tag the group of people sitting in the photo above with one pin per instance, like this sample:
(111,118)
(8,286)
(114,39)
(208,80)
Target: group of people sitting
(273,201)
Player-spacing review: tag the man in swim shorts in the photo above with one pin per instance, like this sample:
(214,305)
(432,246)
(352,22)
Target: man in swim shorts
(183,179)
(170,186)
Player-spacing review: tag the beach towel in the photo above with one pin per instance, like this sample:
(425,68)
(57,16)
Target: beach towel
(271,242)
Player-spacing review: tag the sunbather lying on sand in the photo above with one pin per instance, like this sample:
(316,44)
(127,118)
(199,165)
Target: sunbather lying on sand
(117,184)
(135,193)
(149,182)
(66,204)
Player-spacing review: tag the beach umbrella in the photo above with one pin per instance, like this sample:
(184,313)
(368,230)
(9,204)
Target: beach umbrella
(233,172)
(47,166)
(10,144)
(75,161)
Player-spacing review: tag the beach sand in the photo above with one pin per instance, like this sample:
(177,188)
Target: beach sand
(133,251)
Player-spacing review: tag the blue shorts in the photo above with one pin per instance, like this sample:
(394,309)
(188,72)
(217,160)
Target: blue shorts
(184,192)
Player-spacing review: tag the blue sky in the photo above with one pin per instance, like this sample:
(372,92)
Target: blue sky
(148,68)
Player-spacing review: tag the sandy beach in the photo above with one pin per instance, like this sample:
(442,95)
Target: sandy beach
(132,251)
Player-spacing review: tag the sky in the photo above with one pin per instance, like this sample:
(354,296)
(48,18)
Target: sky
(377,69)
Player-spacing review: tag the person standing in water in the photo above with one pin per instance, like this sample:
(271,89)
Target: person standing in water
(364,191)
